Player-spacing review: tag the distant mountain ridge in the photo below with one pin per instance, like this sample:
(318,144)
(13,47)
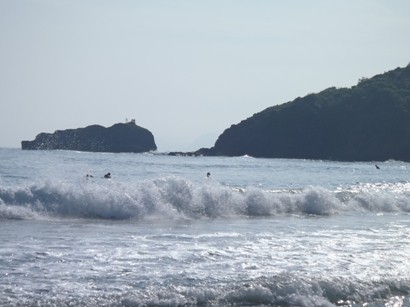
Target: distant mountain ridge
(367,122)
(121,137)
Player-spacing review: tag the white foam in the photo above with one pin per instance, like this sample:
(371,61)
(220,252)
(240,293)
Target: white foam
(175,197)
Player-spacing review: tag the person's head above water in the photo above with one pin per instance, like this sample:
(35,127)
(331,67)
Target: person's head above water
(208,174)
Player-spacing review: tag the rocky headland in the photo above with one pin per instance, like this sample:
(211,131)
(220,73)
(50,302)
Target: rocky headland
(121,137)
(367,122)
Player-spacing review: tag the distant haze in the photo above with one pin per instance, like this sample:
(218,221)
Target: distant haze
(185,70)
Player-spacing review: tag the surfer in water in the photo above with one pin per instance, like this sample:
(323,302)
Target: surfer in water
(208,174)
(107,176)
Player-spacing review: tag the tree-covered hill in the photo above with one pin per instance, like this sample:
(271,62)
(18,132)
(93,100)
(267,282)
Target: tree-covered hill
(367,122)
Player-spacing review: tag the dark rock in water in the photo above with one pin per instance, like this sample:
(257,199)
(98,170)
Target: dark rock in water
(200,152)
(120,137)
(367,122)
(181,153)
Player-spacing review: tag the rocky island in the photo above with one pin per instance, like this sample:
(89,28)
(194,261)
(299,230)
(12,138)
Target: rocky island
(367,122)
(121,137)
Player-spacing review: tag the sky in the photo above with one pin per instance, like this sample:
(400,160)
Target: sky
(184,69)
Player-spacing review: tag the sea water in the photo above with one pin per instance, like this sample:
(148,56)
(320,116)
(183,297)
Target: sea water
(161,233)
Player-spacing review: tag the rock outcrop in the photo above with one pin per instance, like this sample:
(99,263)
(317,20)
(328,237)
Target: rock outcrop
(367,122)
(122,137)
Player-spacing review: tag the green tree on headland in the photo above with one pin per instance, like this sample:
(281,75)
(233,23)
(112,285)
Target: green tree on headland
(367,122)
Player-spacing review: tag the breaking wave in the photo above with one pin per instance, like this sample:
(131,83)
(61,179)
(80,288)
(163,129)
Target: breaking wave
(175,197)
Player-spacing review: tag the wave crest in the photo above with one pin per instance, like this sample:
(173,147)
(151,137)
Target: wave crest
(174,197)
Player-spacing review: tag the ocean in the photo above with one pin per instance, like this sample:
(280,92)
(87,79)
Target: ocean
(159,232)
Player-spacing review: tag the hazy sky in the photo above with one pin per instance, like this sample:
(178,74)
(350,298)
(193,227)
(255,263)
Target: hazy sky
(184,69)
